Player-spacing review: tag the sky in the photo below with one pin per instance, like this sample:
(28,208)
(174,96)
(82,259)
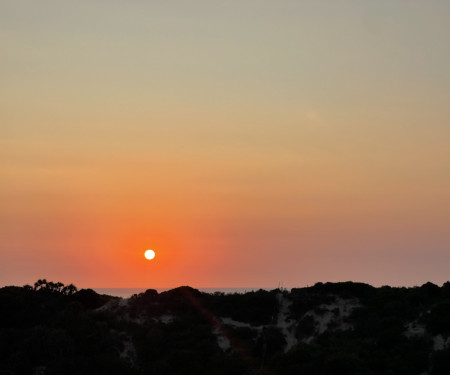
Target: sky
(249,143)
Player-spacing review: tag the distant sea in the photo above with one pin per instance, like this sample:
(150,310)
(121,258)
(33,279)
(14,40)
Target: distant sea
(128,292)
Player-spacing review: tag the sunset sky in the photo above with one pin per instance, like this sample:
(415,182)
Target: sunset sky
(249,143)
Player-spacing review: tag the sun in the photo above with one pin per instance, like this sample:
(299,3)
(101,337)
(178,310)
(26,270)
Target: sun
(149,254)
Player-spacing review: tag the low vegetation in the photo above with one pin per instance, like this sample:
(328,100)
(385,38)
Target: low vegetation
(327,329)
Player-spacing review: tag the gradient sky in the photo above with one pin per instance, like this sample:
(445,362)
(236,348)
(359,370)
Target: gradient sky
(249,143)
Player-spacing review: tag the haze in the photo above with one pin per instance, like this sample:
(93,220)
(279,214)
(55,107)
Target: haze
(248,142)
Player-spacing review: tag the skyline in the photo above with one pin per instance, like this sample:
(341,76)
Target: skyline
(248,143)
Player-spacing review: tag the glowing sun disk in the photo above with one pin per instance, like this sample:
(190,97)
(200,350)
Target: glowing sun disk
(149,254)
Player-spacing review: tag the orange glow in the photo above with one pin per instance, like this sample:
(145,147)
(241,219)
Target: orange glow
(240,160)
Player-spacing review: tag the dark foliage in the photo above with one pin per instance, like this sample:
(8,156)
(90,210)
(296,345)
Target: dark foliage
(51,328)
(256,308)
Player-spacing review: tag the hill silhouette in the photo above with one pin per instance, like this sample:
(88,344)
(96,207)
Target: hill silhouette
(328,328)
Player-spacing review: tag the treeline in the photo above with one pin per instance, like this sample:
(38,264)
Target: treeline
(51,328)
